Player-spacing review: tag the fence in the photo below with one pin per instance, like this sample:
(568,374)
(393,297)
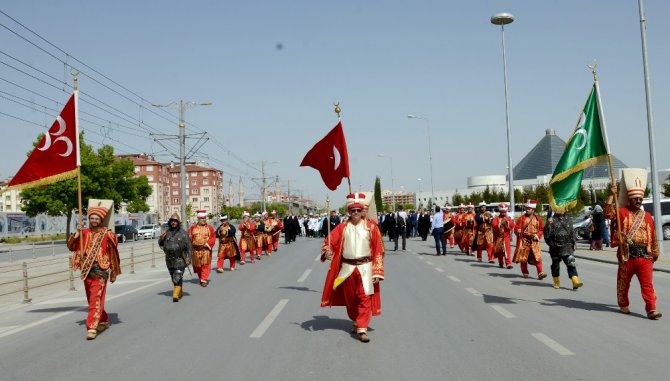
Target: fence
(26,276)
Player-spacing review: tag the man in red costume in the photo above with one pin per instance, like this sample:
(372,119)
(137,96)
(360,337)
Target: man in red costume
(247,240)
(469,224)
(528,230)
(459,227)
(277,226)
(356,251)
(502,226)
(484,230)
(449,225)
(203,238)
(639,249)
(227,250)
(98,262)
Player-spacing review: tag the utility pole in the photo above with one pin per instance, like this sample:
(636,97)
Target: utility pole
(181,106)
(263,180)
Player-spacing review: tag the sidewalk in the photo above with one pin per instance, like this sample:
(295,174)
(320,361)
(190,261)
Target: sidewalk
(608,255)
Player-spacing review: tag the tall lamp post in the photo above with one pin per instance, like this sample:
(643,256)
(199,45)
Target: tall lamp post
(430,155)
(392,186)
(503,19)
(418,198)
(655,185)
(182,106)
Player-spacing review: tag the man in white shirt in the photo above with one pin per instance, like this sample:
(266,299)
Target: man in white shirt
(438,231)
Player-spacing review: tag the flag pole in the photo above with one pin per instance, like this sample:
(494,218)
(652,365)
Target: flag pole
(80,219)
(593,68)
(338,110)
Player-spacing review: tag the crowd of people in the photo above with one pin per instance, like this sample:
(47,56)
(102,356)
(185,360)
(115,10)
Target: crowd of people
(356,250)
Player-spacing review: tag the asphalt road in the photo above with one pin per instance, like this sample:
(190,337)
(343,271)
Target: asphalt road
(443,318)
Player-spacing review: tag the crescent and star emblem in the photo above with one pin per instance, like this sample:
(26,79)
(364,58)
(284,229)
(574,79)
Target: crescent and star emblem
(336,157)
(581,131)
(61,129)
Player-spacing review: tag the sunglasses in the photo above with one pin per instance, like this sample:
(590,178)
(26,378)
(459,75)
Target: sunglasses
(356,210)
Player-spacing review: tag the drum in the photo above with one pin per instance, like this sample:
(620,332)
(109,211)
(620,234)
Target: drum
(449,226)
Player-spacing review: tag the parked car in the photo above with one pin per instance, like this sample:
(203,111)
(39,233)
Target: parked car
(149,231)
(648,205)
(581,225)
(126,232)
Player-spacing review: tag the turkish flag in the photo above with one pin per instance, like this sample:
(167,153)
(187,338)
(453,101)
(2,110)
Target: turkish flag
(56,157)
(329,156)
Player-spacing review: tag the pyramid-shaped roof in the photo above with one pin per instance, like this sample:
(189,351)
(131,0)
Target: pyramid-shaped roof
(544,157)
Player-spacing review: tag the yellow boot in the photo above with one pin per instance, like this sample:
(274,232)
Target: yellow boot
(181,292)
(176,293)
(557,282)
(576,283)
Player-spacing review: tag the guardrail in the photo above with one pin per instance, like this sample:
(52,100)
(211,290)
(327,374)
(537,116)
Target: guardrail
(62,273)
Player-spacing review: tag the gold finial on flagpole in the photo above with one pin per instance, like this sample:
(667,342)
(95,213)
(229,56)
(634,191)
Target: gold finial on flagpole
(75,73)
(594,70)
(338,110)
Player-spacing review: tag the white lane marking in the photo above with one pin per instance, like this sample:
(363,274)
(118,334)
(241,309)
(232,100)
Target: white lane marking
(140,280)
(65,313)
(501,310)
(318,258)
(422,258)
(439,270)
(304,275)
(551,343)
(453,278)
(7,328)
(473,291)
(265,324)
(429,263)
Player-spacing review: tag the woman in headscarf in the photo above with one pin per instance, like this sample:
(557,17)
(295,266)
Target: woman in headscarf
(598,220)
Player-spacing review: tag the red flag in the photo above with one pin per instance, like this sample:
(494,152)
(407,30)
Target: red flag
(56,157)
(329,156)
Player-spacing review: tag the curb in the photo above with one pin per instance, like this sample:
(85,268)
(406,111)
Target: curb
(580,256)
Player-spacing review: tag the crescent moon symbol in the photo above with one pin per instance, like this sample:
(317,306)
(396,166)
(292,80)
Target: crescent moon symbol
(67,141)
(582,132)
(337,157)
(61,126)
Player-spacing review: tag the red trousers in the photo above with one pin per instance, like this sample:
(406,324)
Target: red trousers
(96,288)
(504,258)
(524,267)
(359,305)
(489,251)
(203,271)
(219,262)
(644,269)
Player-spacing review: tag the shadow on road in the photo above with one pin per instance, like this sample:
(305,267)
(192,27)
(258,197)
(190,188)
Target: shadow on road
(60,309)
(297,288)
(582,305)
(508,276)
(494,299)
(322,323)
(113,319)
(531,283)
(169,293)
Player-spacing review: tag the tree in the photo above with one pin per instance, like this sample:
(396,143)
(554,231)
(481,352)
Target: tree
(103,176)
(378,195)
(666,187)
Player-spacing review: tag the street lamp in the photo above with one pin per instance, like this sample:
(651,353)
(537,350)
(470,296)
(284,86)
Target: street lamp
(655,185)
(418,198)
(181,106)
(503,19)
(430,155)
(392,187)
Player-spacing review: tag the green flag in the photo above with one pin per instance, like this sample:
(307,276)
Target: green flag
(586,147)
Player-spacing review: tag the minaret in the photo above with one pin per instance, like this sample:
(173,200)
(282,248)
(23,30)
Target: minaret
(230,194)
(241,192)
(277,191)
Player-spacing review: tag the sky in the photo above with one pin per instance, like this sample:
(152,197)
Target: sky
(272,70)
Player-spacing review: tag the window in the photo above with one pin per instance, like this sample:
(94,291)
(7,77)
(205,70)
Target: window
(205,199)
(137,169)
(150,178)
(194,174)
(205,174)
(175,201)
(205,191)
(194,191)
(150,168)
(175,192)
(174,184)
(194,199)
(205,181)
(175,175)
(194,182)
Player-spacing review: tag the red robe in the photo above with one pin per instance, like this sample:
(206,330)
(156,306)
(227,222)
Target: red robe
(107,257)
(525,227)
(335,297)
(501,236)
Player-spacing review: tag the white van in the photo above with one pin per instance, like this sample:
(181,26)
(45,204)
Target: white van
(648,205)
